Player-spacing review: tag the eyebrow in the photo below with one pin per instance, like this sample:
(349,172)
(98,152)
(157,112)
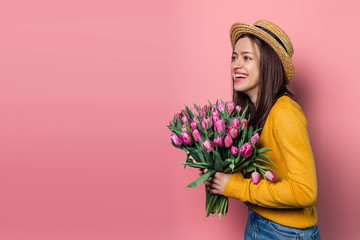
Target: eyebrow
(244,53)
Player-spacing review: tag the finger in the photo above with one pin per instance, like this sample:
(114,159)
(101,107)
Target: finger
(213,190)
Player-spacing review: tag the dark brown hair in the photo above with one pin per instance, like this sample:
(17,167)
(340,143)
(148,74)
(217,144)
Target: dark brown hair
(272,84)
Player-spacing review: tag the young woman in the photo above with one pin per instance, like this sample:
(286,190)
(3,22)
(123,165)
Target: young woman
(261,68)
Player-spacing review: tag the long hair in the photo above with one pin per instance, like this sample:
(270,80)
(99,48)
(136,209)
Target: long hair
(272,84)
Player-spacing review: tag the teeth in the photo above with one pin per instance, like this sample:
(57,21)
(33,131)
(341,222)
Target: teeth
(240,75)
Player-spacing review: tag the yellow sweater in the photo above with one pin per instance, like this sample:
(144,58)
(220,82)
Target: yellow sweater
(290,200)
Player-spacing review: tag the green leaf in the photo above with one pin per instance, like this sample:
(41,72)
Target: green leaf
(196,165)
(218,161)
(189,113)
(176,130)
(264,149)
(208,158)
(232,163)
(202,178)
(267,157)
(250,169)
(262,160)
(198,155)
(244,112)
(250,134)
(244,133)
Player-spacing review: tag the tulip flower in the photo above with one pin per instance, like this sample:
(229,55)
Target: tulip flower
(270,175)
(175,139)
(246,149)
(238,108)
(184,128)
(208,145)
(171,124)
(235,123)
(219,141)
(220,125)
(193,125)
(244,124)
(234,151)
(195,111)
(255,138)
(186,138)
(210,121)
(228,140)
(221,106)
(204,123)
(255,177)
(215,113)
(233,132)
(215,119)
(184,119)
(230,106)
(196,135)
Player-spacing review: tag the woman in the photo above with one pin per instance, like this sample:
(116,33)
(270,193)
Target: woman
(261,68)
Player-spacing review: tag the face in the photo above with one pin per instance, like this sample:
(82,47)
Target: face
(245,68)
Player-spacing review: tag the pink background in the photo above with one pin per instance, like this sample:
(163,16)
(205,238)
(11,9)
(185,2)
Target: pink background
(88,87)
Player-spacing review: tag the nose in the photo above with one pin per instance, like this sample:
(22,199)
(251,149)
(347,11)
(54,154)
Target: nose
(237,63)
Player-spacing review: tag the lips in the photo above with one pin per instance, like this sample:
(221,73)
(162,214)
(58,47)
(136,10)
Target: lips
(239,76)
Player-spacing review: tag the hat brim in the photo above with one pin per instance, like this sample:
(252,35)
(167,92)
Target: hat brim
(238,29)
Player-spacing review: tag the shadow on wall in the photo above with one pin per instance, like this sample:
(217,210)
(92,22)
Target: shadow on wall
(328,206)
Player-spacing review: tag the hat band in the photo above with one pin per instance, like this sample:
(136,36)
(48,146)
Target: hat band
(273,35)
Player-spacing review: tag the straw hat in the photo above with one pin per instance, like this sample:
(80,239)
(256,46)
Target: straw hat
(272,35)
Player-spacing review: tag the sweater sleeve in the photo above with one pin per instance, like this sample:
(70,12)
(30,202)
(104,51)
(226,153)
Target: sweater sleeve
(298,188)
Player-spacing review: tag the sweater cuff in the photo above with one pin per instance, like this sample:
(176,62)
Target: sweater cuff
(234,185)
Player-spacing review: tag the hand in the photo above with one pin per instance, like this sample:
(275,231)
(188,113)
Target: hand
(217,182)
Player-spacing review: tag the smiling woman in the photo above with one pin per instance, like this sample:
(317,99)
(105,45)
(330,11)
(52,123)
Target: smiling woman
(245,67)
(261,68)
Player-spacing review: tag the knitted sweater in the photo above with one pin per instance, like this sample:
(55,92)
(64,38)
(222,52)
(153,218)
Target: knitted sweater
(290,199)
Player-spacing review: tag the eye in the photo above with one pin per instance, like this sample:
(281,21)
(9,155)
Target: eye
(247,58)
(233,58)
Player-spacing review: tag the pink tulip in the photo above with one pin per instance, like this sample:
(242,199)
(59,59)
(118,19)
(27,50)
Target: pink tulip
(196,135)
(184,128)
(204,109)
(219,141)
(175,139)
(215,113)
(184,119)
(270,175)
(171,124)
(221,106)
(210,121)
(235,123)
(204,123)
(195,111)
(255,138)
(230,106)
(208,145)
(238,108)
(186,138)
(215,119)
(246,149)
(234,151)
(233,132)
(228,140)
(220,125)
(244,124)
(255,177)
(193,125)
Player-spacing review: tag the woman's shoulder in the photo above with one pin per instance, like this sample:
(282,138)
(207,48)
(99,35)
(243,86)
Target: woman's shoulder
(286,108)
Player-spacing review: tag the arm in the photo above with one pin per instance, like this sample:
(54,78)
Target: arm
(298,188)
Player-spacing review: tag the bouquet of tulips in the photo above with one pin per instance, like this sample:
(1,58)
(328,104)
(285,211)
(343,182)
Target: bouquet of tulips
(217,137)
